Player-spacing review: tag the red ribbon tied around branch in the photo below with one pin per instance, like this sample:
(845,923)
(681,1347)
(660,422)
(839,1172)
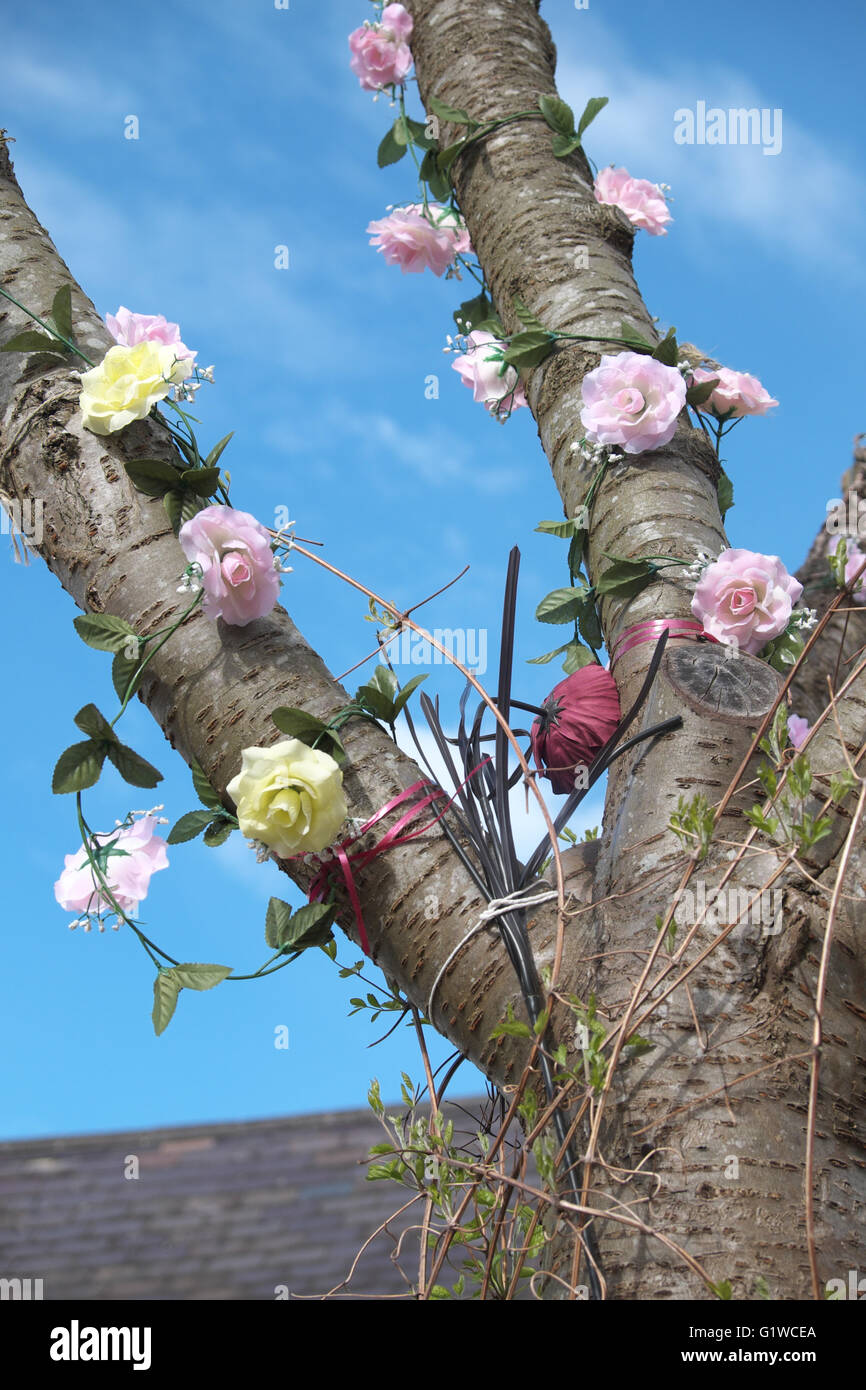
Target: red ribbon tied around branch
(351,863)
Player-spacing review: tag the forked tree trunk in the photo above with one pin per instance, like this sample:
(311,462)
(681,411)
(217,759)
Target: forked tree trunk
(712,1162)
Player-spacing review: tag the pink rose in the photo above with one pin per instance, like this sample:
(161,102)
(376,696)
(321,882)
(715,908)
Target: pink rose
(482,369)
(398,21)
(234,552)
(632,400)
(737,391)
(380,58)
(135,853)
(856,558)
(642,202)
(745,599)
(128,329)
(798,730)
(418,240)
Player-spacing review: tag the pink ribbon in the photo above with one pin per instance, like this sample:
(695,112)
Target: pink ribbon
(652,628)
(349,864)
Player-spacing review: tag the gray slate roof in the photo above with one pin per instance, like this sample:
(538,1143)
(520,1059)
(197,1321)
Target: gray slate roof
(226,1211)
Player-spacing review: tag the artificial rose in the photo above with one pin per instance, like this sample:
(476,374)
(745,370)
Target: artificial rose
(632,400)
(380,56)
(128,329)
(135,853)
(289,796)
(856,558)
(419,239)
(580,714)
(798,730)
(482,369)
(233,551)
(642,202)
(397,20)
(737,391)
(127,383)
(745,599)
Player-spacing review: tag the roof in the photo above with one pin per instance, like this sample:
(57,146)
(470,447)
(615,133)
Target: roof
(255,1210)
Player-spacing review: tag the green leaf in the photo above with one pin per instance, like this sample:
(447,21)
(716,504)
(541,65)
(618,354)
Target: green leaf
(701,391)
(277,919)
(166,989)
(310,926)
(391,147)
(588,624)
(215,453)
(726,494)
(404,695)
(383,679)
(192,975)
(132,767)
(784,651)
(90,721)
(218,832)
(564,145)
(473,312)
(438,183)
(548,656)
(418,132)
(557,113)
(103,631)
(667,350)
(576,549)
(452,114)
(181,507)
(561,605)
(151,476)
(376,702)
(445,158)
(61,311)
(625,578)
(78,767)
(590,111)
(31,341)
(530,348)
(297,723)
(722,1289)
(206,794)
(190,825)
(527,318)
(578,657)
(123,669)
(203,482)
(635,341)
(564,529)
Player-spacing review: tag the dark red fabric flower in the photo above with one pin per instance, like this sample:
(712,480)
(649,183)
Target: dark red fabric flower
(580,714)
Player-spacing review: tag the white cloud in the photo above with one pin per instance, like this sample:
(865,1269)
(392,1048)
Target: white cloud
(803,201)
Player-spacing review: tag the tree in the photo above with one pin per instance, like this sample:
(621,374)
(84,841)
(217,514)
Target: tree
(742,1021)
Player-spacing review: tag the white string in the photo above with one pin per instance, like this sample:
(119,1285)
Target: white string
(495,908)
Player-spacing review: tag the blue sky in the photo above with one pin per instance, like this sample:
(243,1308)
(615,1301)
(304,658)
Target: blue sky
(253,135)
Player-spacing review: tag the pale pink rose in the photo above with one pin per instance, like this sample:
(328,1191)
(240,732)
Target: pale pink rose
(798,730)
(632,400)
(380,58)
(128,329)
(417,239)
(856,558)
(234,552)
(642,202)
(127,873)
(398,21)
(737,391)
(481,367)
(745,599)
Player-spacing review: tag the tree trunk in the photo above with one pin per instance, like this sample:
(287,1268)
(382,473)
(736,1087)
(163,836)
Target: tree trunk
(702,1138)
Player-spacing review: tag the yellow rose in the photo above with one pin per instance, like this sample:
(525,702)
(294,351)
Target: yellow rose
(127,382)
(289,796)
